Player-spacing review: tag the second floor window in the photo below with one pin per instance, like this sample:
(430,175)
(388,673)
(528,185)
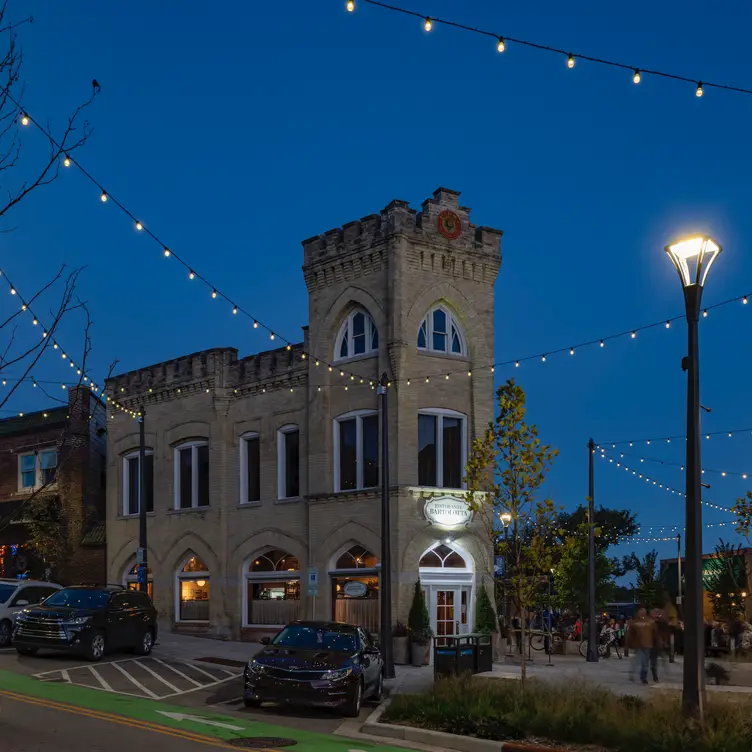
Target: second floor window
(441,449)
(37,469)
(288,462)
(357,336)
(250,471)
(192,475)
(132,483)
(356,451)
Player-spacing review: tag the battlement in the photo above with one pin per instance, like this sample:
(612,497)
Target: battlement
(219,367)
(369,233)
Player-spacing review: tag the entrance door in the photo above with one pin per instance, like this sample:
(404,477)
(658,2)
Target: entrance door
(450,611)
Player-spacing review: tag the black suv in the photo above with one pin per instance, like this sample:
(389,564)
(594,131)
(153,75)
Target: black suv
(89,620)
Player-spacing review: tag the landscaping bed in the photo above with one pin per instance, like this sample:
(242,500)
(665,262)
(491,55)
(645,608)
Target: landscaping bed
(574,716)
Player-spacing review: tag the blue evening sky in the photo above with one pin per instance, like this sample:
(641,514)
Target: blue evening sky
(237,129)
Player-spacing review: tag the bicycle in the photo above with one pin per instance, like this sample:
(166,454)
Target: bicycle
(538,640)
(605,644)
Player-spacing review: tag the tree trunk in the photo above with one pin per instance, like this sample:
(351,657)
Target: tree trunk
(523,662)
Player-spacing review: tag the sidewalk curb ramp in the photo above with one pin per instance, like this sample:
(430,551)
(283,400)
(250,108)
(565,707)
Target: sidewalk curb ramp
(440,739)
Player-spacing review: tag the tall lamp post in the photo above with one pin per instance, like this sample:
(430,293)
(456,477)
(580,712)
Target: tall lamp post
(506,520)
(592,644)
(693,258)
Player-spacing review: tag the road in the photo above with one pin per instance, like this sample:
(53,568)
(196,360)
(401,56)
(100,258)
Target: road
(163,703)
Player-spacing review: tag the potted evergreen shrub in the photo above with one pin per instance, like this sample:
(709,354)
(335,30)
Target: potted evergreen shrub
(400,644)
(419,627)
(485,624)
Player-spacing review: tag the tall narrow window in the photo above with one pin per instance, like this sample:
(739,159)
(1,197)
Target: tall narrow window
(37,469)
(441,448)
(250,469)
(356,451)
(288,462)
(357,336)
(132,482)
(192,475)
(440,332)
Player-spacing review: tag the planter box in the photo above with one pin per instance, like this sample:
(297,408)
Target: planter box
(419,654)
(401,650)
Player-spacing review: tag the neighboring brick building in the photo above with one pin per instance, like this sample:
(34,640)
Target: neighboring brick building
(264,468)
(55,456)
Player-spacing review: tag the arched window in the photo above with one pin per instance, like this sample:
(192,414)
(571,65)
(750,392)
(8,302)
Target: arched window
(440,332)
(130,579)
(272,589)
(193,590)
(357,336)
(355,588)
(442,556)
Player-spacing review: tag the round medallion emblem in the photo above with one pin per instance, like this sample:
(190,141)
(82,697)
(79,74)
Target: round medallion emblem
(449,225)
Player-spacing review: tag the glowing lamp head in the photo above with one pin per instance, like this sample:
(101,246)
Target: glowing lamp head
(505,518)
(693,258)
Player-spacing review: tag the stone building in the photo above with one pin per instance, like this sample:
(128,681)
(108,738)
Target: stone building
(263,472)
(55,457)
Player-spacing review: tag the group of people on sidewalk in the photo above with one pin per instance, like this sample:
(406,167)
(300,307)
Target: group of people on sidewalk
(648,636)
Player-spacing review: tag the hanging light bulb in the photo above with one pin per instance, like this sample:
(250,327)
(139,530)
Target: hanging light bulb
(428,24)
(744,300)
(637,77)
(214,293)
(603,343)
(698,92)
(139,226)
(517,364)
(35,322)
(234,309)
(501,46)
(543,358)
(570,61)
(12,290)
(634,334)
(167,252)
(350,5)
(255,324)
(668,325)
(67,161)
(271,336)
(571,350)
(103,197)
(191,274)
(24,119)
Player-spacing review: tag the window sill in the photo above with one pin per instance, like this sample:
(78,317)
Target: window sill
(135,516)
(36,489)
(189,510)
(249,504)
(365,490)
(444,356)
(288,500)
(202,622)
(437,491)
(355,358)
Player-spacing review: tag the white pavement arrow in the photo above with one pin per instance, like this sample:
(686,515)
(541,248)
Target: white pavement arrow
(199,719)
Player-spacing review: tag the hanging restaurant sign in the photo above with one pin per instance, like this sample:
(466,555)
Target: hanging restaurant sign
(448,511)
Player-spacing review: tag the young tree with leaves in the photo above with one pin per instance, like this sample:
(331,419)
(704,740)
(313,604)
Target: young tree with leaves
(649,588)
(506,469)
(727,581)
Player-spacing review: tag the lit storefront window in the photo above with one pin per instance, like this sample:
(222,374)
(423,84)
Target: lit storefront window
(355,589)
(194,594)
(131,580)
(273,589)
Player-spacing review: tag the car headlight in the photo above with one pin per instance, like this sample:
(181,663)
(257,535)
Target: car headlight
(77,621)
(337,674)
(254,667)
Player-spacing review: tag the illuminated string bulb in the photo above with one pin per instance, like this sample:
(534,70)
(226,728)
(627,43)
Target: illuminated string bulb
(139,226)
(603,344)
(744,300)
(12,290)
(571,350)
(428,24)
(289,347)
(469,373)
(517,364)
(570,61)
(255,326)
(191,274)
(35,322)
(634,334)
(234,309)
(350,5)
(668,325)
(24,119)
(543,358)
(167,252)
(67,161)
(54,345)
(637,77)
(493,369)
(408,382)
(705,313)
(271,336)
(698,92)
(23,306)
(214,293)
(428,379)
(103,197)
(500,45)
(447,377)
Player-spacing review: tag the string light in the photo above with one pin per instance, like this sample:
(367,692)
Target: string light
(634,334)
(67,161)
(350,5)
(636,71)
(24,119)
(191,274)
(500,46)
(168,253)
(680,466)
(730,434)
(139,226)
(214,293)
(103,197)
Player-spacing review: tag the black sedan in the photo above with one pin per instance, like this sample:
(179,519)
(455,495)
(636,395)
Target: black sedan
(325,664)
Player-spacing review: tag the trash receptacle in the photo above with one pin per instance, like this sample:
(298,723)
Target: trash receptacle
(483,652)
(454,657)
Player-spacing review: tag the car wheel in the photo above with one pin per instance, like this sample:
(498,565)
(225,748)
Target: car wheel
(95,649)
(146,644)
(26,651)
(249,702)
(378,692)
(355,701)
(5,632)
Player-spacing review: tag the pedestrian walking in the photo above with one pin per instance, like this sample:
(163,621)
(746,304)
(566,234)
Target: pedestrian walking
(640,639)
(660,640)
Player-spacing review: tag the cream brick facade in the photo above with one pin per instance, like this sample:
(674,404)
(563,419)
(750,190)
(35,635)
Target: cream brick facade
(396,265)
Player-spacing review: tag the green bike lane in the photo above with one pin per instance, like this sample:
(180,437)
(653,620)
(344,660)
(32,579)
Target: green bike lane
(222,728)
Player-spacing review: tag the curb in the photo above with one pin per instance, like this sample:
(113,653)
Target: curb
(374,727)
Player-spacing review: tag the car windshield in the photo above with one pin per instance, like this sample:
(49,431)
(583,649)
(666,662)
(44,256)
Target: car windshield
(78,598)
(6,590)
(316,638)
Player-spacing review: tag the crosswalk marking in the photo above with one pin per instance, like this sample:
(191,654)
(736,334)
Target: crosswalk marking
(211,676)
(144,689)
(157,676)
(100,679)
(178,672)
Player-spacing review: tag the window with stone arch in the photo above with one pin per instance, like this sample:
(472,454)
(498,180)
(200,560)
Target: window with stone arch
(440,332)
(272,589)
(357,336)
(442,556)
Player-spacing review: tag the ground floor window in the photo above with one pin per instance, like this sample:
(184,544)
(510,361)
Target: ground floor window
(194,593)
(131,580)
(273,589)
(355,588)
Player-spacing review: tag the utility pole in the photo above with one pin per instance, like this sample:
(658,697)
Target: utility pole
(385,586)
(592,648)
(679,572)
(141,557)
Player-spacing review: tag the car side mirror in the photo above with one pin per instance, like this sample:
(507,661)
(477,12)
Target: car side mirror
(22,603)
(265,640)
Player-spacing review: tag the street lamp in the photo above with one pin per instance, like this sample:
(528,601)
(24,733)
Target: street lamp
(506,519)
(693,258)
